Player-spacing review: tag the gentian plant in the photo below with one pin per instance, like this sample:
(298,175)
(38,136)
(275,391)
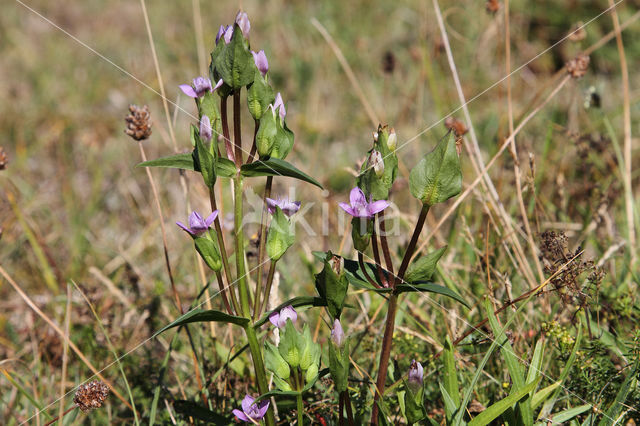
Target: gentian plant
(292,361)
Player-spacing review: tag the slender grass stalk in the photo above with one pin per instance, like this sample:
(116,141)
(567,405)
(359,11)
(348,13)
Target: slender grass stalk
(252,153)
(224,117)
(387,340)
(65,357)
(267,291)
(223,252)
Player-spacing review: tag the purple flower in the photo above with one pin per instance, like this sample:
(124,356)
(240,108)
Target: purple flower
(337,335)
(278,103)
(199,87)
(197,224)
(243,22)
(287,207)
(226,33)
(221,32)
(415,373)
(360,207)
(205,128)
(261,61)
(251,412)
(279,319)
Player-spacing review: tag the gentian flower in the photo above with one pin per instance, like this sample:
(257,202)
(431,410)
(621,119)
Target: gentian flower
(261,62)
(205,128)
(392,140)
(287,207)
(251,412)
(278,103)
(415,373)
(337,334)
(279,319)
(197,224)
(199,87)
(360,207)
(376,161)
(242,19)
(226,33)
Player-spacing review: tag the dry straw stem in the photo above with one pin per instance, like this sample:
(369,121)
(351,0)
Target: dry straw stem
(631,231)
(61,333)
(65,354)
(478,162)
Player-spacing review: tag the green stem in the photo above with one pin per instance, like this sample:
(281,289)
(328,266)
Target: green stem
(300,409)
(237,130)
(258,366)
(387,340)
(363,267)
(223,251)
(384,243)
(261,248)
(239,239)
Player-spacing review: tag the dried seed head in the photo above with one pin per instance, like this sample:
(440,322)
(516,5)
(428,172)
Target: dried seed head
(4,159)
(456,125)
(138,122)
(577,67)
(578,33)
(91,395)
(492,6)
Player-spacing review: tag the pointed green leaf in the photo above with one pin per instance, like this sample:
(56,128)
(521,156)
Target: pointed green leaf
(276,167)
(431,288)
(177,161)
(438,176)
(423,268)
(331,287)
(208,250)
(495,410)
(281,235)
(234,63)
(202,315)
(450,379)
(259,95)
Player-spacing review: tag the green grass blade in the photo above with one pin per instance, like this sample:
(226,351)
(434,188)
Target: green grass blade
(492,413)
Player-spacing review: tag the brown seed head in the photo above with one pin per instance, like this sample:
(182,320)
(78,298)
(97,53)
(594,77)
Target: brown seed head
(456,125)
(492,6)
(91,395)
(577,67)
(4,159)
(138,122)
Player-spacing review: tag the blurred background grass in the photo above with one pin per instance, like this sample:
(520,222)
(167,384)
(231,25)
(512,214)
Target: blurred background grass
(72,177)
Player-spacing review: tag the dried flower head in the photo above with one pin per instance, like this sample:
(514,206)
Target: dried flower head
(138,122)
(91,395)
(578,33)
(577,67)
(458,127)
(492,6)
(4,159)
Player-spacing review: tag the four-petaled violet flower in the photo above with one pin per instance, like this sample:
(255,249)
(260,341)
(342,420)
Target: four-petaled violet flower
(197,224)
(415,372)
(199,87)
(287,207)
(360,207)
(205,128)
(337,334)
(279,319)
(251,411)
(242,19)
(261,62)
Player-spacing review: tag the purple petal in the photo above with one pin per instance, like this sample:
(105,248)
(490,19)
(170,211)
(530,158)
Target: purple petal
(377,207)
(188,90)
(209,220)
(220,33)
(271,205)
(290,207)
(217,86)
(247,402)
(240,415)
(183,226)
(195,220)
(287,313)
(263,406)
(357,198)
(228,33)
(242,19)
(337,334)
(279,103)
(261,62)
(205,128)
(347,208)
(274,318)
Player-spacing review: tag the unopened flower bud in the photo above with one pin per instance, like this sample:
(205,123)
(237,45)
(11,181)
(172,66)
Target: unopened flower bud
(375,136)
(415,373)
(242,19)
(376,161)
(337,334)
(392,140)
(205,129)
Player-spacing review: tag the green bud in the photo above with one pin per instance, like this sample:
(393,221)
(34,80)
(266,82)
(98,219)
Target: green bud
(361,229)
(208,250)
(312,373)
(267,132)
(275,363)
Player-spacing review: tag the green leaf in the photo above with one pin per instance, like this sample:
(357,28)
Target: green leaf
(202,315)
(208,105)
(203,158)
(275,363)
(191,409)
(225,167)
(438,176)
(542,395)
(259,95)
(378,186)
(267,133)
(423,268)
(535,366)
(331,287)
(234,63)
(450,380)
(339,365)
(495,410)
(208,250)
(616,406)
(568,414)
(450,406)
(281,235)
(178,161)
(276,167)
(426,287)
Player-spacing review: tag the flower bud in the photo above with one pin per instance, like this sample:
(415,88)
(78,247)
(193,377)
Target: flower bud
(392,140)
(312,372)
(415,373)
(205,129)
(242,19)
(376,161)
(337,334)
